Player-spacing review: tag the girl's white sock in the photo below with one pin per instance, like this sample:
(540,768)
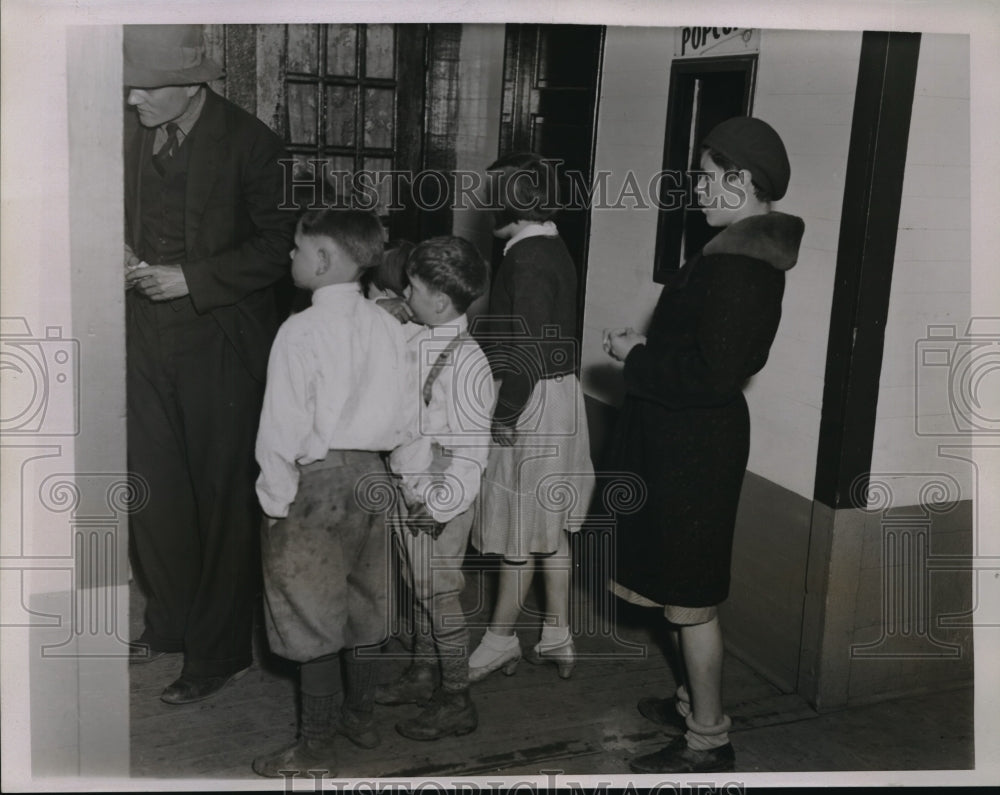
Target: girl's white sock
(553,636)
(491,647)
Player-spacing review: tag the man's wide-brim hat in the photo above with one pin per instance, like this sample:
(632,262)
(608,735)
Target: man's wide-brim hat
(166,55)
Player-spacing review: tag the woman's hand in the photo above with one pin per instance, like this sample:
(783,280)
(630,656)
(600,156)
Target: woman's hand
(618,342)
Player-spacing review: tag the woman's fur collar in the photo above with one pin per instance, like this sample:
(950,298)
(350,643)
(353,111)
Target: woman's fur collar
(772,237)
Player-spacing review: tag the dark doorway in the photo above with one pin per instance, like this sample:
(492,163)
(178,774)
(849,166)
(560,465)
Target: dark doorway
(551,76)
(703,92)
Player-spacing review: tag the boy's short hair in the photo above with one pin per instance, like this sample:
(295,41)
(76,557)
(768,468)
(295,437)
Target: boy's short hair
(391,274)
(450,265)
(524,187)
(359,233)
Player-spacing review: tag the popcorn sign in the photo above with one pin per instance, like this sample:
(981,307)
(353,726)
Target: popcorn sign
(694,42)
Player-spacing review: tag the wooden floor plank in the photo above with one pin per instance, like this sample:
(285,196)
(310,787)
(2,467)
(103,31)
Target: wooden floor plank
(535,721)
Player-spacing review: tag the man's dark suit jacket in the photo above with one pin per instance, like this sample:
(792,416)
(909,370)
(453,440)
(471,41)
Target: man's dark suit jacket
(236,239)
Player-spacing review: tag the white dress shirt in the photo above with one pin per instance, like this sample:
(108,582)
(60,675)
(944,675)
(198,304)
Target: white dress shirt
(338,379)
(442,467)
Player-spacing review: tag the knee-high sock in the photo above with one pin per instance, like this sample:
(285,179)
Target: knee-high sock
(319,683)
(424,649)
(359,682)
(451,637)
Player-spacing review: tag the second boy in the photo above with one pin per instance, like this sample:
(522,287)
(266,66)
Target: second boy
(440,474)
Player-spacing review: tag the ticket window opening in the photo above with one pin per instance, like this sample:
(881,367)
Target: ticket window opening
(703,93)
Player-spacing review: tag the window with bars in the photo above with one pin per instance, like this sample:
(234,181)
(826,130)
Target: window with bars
(348,89)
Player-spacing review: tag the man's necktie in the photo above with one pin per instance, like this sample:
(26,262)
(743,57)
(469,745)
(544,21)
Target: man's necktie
(170,146)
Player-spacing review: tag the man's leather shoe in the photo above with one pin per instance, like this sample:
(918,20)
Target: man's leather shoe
(677,757)
(189,689)
(139,652)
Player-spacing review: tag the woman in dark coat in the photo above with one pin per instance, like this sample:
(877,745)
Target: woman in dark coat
(685,429)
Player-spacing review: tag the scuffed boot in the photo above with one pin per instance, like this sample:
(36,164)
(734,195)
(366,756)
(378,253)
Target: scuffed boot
(314,748)
(450,712)
(305,754)
(414,686)
(360,731)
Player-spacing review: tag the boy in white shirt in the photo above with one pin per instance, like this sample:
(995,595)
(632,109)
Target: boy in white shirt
(337,398)
(440,473)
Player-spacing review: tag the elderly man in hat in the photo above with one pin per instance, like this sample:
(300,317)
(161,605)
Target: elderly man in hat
(205,244)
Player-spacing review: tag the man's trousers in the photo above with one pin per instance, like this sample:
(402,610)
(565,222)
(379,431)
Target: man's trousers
(193,410)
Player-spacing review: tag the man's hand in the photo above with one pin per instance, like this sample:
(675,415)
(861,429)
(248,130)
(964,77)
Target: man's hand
(397,307)
(131,263)
(503,435)
(620,341)
(421,521)
(158,282)
(131,260)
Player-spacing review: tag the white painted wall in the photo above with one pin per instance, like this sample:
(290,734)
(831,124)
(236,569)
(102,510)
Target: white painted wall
(931,280)
(64,618)
(805,88)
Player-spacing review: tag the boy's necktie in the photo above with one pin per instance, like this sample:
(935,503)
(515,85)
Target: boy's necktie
(169,148)
(443,359)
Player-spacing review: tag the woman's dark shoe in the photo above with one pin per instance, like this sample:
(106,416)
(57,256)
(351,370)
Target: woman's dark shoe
(677,757)
(563,655)
(414,686)
(664,712)
(450,712)
(304,754)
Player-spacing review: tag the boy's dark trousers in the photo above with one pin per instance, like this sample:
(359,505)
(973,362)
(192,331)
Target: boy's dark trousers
(326,564)
(325,579)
